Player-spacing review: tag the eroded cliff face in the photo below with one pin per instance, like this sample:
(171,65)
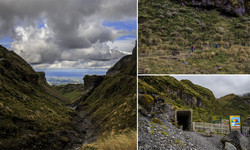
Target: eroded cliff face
(235,7)
(91,82)
(155,93)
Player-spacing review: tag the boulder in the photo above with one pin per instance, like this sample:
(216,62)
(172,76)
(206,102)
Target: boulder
(229,146)
(237,139)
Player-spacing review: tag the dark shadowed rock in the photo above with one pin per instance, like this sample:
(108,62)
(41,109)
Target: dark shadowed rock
(237,139)
(42,77)
(236,7)
(91,82)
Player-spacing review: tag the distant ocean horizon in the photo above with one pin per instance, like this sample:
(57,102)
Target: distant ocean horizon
(69,76)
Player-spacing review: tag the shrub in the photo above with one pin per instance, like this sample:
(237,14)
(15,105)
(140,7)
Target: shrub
(175,107)
(1,105)
(146,101)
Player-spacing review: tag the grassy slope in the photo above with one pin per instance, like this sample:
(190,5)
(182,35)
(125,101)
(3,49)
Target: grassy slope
(113,108)
(234,105)
(28,108)
(70,91)
(165,26)
(161,85)
(121,141)
(114,104)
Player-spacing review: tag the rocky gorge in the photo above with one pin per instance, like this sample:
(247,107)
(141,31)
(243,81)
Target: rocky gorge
(35,115)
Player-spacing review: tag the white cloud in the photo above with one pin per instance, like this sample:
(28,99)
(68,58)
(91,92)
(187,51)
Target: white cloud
(39,46)
(73,31)
(221,85)
(125,45)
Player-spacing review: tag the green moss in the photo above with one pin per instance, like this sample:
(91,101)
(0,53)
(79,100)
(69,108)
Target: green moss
(152,131)
(164,133)
(158,121)
(179,142)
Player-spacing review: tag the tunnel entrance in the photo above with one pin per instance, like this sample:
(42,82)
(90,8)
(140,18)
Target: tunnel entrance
(184,119)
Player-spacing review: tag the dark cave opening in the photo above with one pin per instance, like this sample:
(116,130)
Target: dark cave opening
(184,119)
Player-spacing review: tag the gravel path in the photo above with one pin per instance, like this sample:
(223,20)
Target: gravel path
(209,143)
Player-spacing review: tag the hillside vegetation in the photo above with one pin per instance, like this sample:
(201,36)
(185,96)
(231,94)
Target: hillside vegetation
(234,104)
(72,92)
(32,114)
(167,30)
(186,95)
(35,115)
(112,107)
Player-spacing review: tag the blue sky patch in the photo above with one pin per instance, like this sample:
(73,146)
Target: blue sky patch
(129,25)
(122,25)
(126,37)
(6,41)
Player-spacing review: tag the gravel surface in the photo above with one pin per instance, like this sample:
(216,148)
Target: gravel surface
(153,136)
(209,143)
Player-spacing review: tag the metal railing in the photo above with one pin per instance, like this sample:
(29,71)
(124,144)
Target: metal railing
(218,128)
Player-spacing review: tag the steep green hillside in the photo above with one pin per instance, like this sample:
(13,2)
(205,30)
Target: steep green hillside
(112,106)
(232,104)
(31,112)
(168,29)
(185,95)
(113,102)
(70,91)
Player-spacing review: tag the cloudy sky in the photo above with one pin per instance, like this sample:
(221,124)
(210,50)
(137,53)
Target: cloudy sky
(69,33)
(221,85)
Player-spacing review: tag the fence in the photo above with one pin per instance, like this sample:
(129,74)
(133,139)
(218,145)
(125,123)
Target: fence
(218,128)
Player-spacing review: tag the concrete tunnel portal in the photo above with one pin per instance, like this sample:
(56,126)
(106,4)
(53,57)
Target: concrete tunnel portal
(184,119)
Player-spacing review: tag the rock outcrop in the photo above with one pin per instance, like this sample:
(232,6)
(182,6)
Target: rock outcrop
(235,7)
(91,82)
(184,91)
(237,139)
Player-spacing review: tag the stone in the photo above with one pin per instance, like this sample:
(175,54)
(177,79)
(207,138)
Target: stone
(229,146)
(237,139)
(207,133)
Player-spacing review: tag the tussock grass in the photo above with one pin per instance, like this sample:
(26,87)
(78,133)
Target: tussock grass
(126,141)
(171,27)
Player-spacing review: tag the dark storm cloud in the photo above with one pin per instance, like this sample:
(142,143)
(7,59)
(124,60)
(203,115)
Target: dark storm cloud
(70,24)
(221,85)
(63,16)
